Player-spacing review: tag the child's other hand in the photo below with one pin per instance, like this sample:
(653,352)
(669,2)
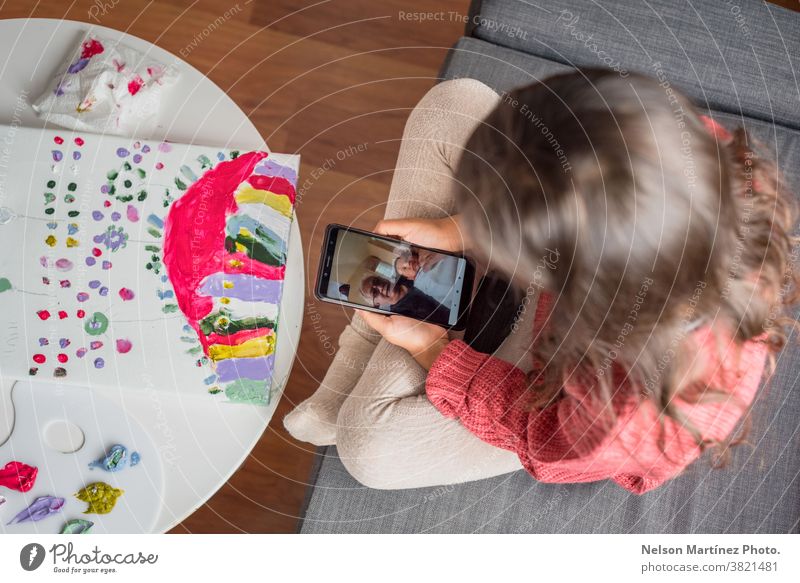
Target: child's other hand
(423,341)
(444,234)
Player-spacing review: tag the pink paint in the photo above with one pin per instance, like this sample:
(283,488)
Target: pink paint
(91,48)
(164,147)
(250,267)
(276,184)
(132,213)
(58,140)
(96,252)
(233,339)
(135,85)
(62,358)
(39,358)
(43,314)
(81,313)
(79,141)
(126,294)
(62,314)
(124,346)
(188,265)
(63,264)
(95,344)
(159,166)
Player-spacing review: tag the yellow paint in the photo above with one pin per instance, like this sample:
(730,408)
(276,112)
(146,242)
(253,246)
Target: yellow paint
(255,347)
(279,202)
(72,242)
(241,248)
(74,226)
(245,232)
(235,263)
(50,241)
(227,284)
(225,300)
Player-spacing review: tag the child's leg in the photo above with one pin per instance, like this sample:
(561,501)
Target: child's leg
(390,435)
(422,186)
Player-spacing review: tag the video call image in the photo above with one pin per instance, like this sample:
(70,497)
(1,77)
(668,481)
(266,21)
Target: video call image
(396,277)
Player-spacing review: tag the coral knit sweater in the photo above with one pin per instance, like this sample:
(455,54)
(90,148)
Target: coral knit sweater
(564,442)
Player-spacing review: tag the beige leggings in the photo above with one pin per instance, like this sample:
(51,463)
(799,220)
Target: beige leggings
(387,433)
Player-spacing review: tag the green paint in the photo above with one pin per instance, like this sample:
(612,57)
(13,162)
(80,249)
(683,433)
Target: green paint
(127,166)
(152,248)
(204,161)
(5,284)
(154,232)
(221,323)
(49,197)
(247,391)
(68,198)
(141,173)
(125,198)
(195,350)
(234,154)
(142,195)
(112,175)
(169,308)
(112,190)
(214,390)
(73,214)
(96,325)
(255,250)
(51,184)
(72,187)
(77,526)
(127,183)
(180,184)
(49,211)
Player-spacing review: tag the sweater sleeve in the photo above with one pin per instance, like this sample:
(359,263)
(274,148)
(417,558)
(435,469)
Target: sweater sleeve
(485,393)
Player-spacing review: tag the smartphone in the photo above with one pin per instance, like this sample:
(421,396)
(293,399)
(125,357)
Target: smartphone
(372,272)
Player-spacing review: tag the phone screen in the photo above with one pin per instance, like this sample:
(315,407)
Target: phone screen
(392,276)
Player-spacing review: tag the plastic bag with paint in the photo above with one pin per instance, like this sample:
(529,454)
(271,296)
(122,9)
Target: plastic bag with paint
(106,87)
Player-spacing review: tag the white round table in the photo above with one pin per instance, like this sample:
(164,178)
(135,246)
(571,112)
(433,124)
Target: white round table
(202,442)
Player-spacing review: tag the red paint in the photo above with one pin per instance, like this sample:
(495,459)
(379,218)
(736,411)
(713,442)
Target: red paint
(276,184)
(135,85)
(91,48)
(234,339)
(107,203)
(81,313)
(188,265)
(62,314)
(43,314)
(39,358)
(96,252)
(159,166)
(18,476)
(79,141)
(62,358)
(58,140)
(126,294)
(250,267)
(124,345)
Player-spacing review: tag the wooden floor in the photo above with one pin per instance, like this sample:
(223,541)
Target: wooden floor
(332,80)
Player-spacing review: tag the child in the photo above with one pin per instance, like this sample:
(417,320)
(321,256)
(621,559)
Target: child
(655,247)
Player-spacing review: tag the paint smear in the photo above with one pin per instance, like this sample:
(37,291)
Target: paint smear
(100,497)
(18,476)
(41,508)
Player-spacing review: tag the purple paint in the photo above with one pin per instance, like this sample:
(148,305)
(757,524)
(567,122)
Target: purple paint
(94,284)
(145,148)
(41,508)
(115,216)
(103,291)
(257,369)
(164,147)
(245,287)
(269,167)
(43,342)
(80,353)
(137,158)
(57,155)
(97,215)
(122,152)
(104,189)
(76,155)
(82,296)
(63,342)
(106,265)
(78,66)
(90,261)
(99,362)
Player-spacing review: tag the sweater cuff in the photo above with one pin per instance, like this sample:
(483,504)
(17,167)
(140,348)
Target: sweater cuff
(450,377)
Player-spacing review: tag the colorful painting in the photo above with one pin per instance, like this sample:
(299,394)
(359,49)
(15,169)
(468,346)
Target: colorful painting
(143,264)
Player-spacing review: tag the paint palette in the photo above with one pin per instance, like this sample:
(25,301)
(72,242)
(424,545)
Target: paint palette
(51,421)
(142,265)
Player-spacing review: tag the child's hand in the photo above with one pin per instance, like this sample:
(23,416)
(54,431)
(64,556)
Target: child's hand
(444,234)
(423,341)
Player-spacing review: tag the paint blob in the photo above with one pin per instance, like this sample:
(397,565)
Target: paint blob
(77,526)
(116,459)
(41,508)
(18,476)
(126,294)
(124,345)
(100,497)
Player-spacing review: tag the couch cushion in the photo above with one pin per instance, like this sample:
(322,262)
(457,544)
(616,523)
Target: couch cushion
(759,491)
(739,57)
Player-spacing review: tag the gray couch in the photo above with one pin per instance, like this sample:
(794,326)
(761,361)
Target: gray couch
(734,59)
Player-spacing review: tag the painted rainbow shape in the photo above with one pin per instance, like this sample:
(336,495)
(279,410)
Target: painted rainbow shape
(225,245)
